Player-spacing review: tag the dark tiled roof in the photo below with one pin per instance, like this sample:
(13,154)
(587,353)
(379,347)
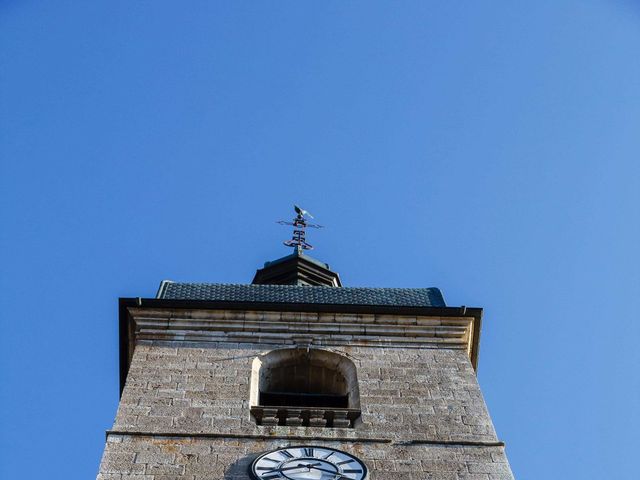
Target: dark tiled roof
(402,297)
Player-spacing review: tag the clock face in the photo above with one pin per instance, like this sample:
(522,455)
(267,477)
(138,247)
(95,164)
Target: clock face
(308,463)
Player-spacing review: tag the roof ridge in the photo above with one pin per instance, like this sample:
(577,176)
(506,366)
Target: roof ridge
(265,285)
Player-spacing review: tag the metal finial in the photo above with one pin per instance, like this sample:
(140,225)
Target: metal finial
(299,224)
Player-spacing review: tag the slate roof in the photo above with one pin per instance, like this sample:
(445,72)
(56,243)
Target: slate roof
(401,297)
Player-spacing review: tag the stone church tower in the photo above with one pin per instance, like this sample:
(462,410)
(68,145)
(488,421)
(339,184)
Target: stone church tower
(296,377)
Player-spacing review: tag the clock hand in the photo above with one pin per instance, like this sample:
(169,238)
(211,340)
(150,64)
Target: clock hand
(338,475)
(300,465)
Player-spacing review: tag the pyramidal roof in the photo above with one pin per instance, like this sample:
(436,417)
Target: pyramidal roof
(297,269)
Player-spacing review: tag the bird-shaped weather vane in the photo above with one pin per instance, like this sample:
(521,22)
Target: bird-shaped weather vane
(299,224)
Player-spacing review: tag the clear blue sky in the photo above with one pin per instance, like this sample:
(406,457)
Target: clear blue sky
(491,149)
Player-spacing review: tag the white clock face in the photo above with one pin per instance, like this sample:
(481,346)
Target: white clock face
(308,463)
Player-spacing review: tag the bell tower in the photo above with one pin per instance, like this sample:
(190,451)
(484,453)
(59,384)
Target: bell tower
(295,377)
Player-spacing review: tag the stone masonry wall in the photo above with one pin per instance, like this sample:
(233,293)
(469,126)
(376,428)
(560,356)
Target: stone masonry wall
(412,399)
(164,458)
(418,394)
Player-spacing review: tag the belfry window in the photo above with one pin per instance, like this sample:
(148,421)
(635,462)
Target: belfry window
(304,387)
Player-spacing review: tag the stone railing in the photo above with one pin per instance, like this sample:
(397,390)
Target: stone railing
(305,416)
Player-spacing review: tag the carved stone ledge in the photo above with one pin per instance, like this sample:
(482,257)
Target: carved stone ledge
(305,417)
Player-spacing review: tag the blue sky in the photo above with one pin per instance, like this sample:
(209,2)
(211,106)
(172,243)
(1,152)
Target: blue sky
(487,148)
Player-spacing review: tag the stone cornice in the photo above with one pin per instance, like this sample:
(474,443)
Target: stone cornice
(300,327)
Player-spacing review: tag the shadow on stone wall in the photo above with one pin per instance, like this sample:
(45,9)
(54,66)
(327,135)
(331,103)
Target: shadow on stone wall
(239,470)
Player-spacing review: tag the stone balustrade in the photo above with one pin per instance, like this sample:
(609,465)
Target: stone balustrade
(305,416)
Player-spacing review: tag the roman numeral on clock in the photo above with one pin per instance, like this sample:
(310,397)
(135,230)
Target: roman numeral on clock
(308,452)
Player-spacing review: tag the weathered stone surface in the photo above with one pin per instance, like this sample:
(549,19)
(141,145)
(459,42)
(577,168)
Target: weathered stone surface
(417,394)
(185,412)
(210,459)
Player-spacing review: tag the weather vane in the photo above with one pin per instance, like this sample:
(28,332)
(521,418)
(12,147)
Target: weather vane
(299,225)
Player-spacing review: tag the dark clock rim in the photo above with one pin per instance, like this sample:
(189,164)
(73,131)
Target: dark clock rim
(253,475)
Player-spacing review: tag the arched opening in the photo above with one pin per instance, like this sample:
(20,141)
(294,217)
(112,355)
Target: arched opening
(309,383)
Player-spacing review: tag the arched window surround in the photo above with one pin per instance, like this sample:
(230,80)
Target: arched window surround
(327,382)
